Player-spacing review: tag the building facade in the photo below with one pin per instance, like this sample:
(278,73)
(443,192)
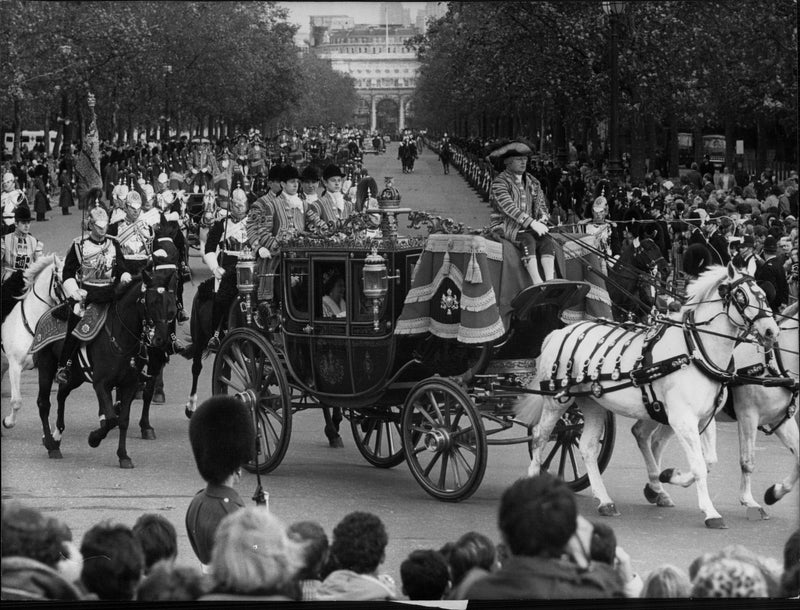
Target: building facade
(383,68)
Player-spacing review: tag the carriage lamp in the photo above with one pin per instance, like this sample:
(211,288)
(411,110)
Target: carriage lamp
(245,281)
(375,281)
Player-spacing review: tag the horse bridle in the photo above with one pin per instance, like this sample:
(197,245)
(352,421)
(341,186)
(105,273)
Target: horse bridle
(55,284)
(734,294)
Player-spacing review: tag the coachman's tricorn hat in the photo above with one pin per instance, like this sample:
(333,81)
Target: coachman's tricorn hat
(222,436)
(504,149)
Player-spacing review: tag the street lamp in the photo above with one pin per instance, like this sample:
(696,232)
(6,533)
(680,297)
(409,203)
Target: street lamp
(614,10)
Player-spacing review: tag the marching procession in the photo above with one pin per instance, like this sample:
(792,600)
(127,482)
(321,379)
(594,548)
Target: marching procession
(269,274)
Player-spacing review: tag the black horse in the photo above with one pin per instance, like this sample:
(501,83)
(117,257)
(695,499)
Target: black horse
(631,280)
(139,318)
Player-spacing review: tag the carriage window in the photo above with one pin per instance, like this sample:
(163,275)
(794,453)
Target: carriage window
(330,283)
(363,311)
(297,288)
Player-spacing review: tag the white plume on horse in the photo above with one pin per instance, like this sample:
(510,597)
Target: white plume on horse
(722,304)
(42,290)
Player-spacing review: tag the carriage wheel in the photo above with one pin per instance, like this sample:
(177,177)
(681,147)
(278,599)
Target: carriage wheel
(444,439)
(378,436)
(562,456)
(248,367)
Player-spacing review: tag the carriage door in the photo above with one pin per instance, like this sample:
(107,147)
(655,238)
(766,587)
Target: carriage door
(330,355)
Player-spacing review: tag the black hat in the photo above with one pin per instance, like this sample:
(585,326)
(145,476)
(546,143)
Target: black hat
(275,173)
(309,174)
(222,436)
(332,171)
(696,259)
(748,241)
(22,213)
(770,244)
(290,173)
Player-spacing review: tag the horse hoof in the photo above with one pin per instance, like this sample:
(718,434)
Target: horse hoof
(95,438)
(609,510)
(55,454)
(770,497)
(666,475)
(126,463)
(159,398)
(716,523)
(650,495)
(336,442)
(756,513)
(6,425)
(148,434)
(188,412)
(664,500)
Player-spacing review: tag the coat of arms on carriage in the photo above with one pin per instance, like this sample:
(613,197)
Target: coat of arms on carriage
(449,302)
(331,368)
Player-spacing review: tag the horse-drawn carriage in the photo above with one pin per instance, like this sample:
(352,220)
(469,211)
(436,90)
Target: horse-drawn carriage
(436,340)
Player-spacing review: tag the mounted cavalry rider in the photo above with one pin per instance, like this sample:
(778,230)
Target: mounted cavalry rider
(18,251)
(520,210)
(133,233)
(11,198)
(272,221)
(226,241)
(92,268)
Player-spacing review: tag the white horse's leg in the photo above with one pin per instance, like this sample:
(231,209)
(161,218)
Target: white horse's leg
(552,411)
(747,426)
(14,380)
(652,437)
(708,441)
(788,433)
(688,435)
(594,418)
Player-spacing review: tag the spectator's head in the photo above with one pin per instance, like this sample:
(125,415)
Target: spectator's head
(315,547)
(425,575)
(222,436)
(28,533)
(537,516)
(157,537)
(472,550)
(167,582)
(359,543)
(253,555)
(667,581)
(791,551)
(113,562)
(728,577)
(603,547)
(790,583)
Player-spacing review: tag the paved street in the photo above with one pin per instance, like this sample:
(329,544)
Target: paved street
(323,484)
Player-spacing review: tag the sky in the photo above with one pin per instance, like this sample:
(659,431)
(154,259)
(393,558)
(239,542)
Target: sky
(361,12)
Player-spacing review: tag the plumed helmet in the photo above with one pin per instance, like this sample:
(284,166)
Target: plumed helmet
(22,213)
(600,204)
(120,192)
(239,196)
(149,193)
(332,171)
(222,436)
(98,217)
(133,200)
(8,179)
(163,178)
(168,197)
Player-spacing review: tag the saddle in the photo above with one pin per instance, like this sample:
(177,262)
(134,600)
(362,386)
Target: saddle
(51,328)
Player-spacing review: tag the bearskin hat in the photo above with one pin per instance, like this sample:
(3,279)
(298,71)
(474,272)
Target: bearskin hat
(696,259)
(222,436)
(22,213)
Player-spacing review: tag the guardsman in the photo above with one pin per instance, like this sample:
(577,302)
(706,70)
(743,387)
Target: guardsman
(226,241)
(332,206)
(11,198)
(520,210)
(92,268)
(18,250)
(257,156)
(133,233)
(271,222)
(600,228)
(240,152)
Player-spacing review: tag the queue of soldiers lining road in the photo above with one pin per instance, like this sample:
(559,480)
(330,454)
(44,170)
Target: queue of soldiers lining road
(254,194)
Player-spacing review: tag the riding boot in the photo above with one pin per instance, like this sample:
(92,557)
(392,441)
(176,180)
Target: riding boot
(548,266)
(216,320)
(71,343)
(531,264)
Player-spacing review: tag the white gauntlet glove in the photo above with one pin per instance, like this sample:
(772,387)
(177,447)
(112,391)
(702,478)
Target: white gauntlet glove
(125,278)
(539,228)
(264,252)
(72,291)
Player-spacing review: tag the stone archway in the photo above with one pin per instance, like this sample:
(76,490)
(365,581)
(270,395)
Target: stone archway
(387,115)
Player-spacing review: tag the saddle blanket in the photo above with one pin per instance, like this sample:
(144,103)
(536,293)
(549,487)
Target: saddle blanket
(50,329)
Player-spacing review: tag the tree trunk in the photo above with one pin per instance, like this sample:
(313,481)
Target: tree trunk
(60,135)
(17,153)
(47,150)
(81,127)
(130,128)
(672,148)
(697,144)
(637,168)
(730,143)
(761,146)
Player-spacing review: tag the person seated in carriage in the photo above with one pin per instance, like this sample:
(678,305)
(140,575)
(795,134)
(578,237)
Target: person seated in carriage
(272,221)
(93,268)
(18,250)
(226,242)
(519,210)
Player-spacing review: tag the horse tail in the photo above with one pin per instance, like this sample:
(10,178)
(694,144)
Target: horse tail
(528,409)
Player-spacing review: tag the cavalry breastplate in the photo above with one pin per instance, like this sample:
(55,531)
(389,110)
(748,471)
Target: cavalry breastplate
(97,262)
(235,237)
(9,203)
(134,239)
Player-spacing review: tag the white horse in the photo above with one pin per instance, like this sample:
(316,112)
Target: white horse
(755,406)
(43,290)
(722,303)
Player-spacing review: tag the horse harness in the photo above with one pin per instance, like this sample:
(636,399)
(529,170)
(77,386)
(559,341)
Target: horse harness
(55,283)
(645,371)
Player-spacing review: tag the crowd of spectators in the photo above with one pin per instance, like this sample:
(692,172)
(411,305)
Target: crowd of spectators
(548,551)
